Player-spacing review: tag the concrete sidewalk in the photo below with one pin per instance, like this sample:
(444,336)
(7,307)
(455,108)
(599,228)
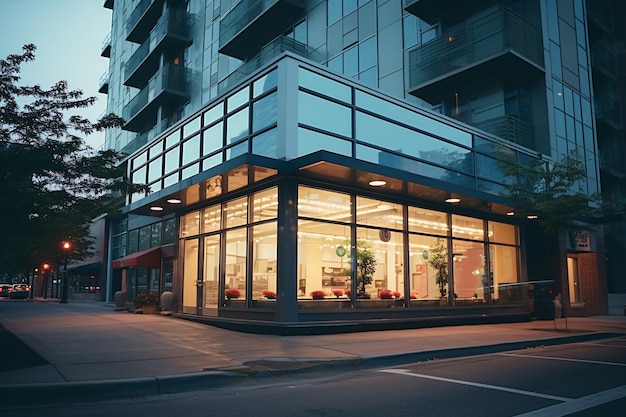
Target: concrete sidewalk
(94,352)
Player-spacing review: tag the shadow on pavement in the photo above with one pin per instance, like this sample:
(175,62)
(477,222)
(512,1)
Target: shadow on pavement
(16,354)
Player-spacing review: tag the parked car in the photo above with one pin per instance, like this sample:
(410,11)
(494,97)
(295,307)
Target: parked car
(19,291)
(5,290)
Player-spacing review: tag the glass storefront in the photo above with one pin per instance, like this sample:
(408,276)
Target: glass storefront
(403,256)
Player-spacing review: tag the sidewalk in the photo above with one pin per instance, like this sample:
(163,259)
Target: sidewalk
(94,352)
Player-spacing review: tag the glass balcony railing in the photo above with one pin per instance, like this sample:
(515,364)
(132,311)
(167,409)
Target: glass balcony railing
(269,52)
(474,42)
(142,19)
(171,31)
(169,85)
(509,128)
(106,46)
(103,85)
(250,24)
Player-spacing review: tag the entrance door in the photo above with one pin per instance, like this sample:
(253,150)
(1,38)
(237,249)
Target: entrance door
(190,276)
(572,279)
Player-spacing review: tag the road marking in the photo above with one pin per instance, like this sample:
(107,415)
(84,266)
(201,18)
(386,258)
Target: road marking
(579,404)
(475,384)
(563,359)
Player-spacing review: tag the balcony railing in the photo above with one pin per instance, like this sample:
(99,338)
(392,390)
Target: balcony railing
(269,52)
(250,24)
(142,19)
(171,32)
(485,40)
(103,86)
(106,46)
(509,128)
(143,138)
(170,86)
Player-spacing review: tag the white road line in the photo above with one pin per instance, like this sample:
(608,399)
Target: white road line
(579,404)
(475,384)
(562,359)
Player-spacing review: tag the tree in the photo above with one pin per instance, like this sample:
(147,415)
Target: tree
(550,192)
(438,259)
(53,184)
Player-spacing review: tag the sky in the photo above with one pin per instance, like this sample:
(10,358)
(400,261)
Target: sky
(68,35)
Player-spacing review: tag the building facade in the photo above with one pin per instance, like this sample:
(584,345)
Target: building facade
(315,160)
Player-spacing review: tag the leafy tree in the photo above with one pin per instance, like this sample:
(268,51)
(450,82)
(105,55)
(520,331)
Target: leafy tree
(549,192)
(439,261)
(52,183)
(365,267)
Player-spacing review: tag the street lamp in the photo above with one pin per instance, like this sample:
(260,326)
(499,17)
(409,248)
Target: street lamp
(46,268)
(66,248)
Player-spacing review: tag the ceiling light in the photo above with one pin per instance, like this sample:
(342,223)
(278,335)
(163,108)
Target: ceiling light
(174,201)
(511,213)
(156,208)
(532,217)
(453,200)
(378,183)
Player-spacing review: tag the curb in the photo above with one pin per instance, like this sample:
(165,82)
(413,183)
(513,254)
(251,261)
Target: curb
(116,389)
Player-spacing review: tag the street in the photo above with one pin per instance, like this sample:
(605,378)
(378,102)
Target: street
(581,379)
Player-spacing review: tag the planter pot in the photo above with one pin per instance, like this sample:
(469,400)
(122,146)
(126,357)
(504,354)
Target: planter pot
(167,303)
(149,309)
(120,301)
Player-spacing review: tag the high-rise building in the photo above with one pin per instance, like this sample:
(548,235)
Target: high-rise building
(318,160)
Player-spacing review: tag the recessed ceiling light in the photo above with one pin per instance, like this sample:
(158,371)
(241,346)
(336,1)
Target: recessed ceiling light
(532,216)
(174,201)
(156,208)
(511,213)
(377,183)
(453,200)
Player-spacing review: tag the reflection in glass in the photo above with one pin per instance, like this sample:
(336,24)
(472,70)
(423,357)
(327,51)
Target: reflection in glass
(310,141)
(237,126)
(211,271)
(323,114)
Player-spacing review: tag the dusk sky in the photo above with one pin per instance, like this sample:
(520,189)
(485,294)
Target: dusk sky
(68,35)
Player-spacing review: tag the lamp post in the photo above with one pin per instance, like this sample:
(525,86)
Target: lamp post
(46,268)
(66,249)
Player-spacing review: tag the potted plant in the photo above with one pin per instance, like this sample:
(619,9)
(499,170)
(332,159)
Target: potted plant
(337,292)
(365,268)
(270,295)
(439,261)
(385,295)
(232,293)
(318,295)
(146,302)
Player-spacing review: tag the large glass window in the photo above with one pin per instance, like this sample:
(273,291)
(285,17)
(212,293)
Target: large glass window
(470,280)
(427,221)
(323,114)
(324,204)
(378,213)
(236,212)
(428,270)
(379,266)
(323,261)
(235,266)
(264,261)
(211,271)
(190,276)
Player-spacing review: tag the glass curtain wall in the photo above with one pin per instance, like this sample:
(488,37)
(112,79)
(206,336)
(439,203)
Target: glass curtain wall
(451,259)
(239,256)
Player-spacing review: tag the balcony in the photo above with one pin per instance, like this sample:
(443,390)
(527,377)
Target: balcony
(171,33)
(268,53)
(431,10)
(106,46)
(143,19)
(169,87)
(103,86)
(108,4)
(251,24)
(509,128)
(500,42)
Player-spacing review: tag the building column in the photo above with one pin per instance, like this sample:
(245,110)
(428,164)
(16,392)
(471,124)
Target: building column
(287,251)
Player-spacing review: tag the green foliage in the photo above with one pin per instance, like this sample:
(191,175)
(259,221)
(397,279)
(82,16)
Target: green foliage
(365,267)
(53,184)
(550,190)
(438,259)
(145,298)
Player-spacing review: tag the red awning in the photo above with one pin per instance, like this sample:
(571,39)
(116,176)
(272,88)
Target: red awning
(150,258)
